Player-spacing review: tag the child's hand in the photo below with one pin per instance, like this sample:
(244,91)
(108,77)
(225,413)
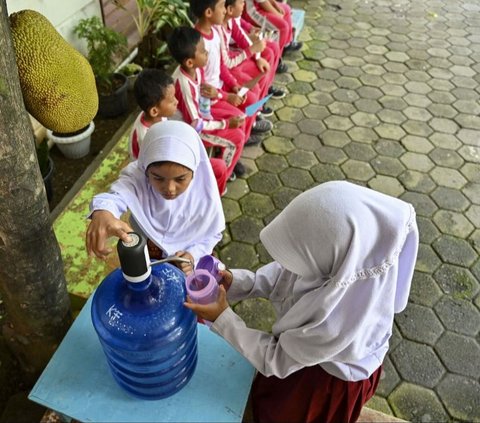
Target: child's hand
(102,226)
(210,311)
(258,46)
(254,34)
(186,268)
(235,122)
(263,65)
(234,99)
(208,91)
(227,279)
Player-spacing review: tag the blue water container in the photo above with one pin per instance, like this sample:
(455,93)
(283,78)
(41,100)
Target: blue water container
(148,336)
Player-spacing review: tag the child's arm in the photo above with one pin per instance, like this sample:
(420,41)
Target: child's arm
(104,225)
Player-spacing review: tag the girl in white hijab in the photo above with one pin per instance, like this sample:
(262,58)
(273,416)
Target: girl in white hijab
(172,194)
(344,260)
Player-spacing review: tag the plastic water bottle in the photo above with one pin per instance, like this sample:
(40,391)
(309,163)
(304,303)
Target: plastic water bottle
(148,336)
(204,104)
(202,287)
(213,265)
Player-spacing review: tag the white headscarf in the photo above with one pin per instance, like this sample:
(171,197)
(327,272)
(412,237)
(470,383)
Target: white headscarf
(354,251)
(192,218)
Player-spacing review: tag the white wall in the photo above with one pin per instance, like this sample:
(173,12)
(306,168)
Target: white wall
(63,14)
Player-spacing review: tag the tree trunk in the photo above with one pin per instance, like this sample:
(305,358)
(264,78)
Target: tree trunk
(32,282)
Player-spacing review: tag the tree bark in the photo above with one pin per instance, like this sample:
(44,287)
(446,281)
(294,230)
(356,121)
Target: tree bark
(32,281)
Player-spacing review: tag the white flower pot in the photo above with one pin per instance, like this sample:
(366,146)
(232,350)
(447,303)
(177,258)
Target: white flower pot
(74,147)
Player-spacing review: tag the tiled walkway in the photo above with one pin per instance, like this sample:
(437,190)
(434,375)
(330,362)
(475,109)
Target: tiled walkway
(385,93)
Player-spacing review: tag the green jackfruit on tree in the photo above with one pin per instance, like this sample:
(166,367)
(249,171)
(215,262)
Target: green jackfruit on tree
(58,84)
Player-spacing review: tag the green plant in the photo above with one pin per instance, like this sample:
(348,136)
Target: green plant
(154,20)
(104,47)
(131,69)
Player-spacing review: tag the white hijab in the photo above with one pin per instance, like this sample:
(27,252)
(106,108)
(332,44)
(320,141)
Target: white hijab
(193,217)
(353,251)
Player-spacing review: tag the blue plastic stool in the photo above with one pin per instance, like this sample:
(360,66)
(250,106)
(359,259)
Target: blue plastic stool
(78,385)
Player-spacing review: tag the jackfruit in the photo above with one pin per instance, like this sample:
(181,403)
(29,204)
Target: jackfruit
(57,82)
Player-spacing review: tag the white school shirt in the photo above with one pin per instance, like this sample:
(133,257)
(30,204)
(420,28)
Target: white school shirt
(353,256)
(213,45)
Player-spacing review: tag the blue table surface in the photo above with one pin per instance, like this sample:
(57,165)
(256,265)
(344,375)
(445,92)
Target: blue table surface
(77,383)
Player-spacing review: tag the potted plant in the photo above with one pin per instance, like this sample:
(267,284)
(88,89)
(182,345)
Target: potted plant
(131,71)
(154,20)
(104,48)
(58,88)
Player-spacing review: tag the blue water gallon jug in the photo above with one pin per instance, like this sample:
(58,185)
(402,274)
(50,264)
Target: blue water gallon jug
(148,336)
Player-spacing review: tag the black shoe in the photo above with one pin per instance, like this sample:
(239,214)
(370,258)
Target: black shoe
(232,177)
(293,46)
(253,140)
(266,112)
(239,169)
(277,93)
(282,68)
(261,126)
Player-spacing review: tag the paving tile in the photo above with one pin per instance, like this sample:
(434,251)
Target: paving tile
(256,205)
(461,396)
(457,281)
(237,189)
(387,185)
(296,100)
(357,170)
(238,255)
(417,144)
(273,163)
(454,250)
(231,209)
(278,145)
(460,354)
(427,259)
(389,148)
(335,138)
(302,159)
(326,172)
(315,111)
(246,229)
(418,162)
(450,199)
(470,153)
(473,214)
(458,316)
(263,182)
(424,290)
(415,127)
(419,323)
(389,379)
(446,177)
(283,196)
(311,126)
(445,141)
(417,363)
(296,178)
(424,206)
(289,114)
(453,223)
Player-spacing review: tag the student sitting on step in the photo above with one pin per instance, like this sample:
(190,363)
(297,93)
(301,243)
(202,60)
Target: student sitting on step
(223,127)
(210,14)
(155,94)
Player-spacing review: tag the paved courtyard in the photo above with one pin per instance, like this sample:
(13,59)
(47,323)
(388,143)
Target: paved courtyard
(385,93)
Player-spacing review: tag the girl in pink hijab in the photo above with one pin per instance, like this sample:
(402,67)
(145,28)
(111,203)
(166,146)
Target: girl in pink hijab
(344,257)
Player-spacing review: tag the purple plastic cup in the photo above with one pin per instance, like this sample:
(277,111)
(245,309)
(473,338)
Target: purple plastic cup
(202,288)
(212,265)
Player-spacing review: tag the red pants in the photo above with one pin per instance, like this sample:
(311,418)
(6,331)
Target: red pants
(310,395)
(220,171)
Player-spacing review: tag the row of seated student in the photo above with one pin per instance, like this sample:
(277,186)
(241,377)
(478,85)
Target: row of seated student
(225,64)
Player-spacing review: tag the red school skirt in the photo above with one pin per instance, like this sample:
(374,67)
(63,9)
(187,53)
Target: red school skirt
(310,395)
